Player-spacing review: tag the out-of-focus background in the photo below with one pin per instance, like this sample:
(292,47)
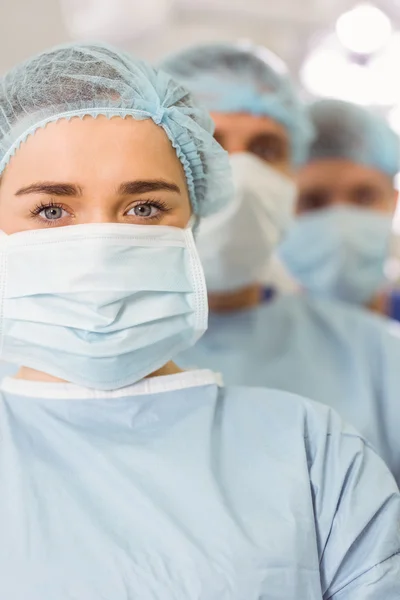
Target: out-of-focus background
(303,32)
(341,48)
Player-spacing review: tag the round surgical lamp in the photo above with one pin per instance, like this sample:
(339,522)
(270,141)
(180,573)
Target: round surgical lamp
(364,30)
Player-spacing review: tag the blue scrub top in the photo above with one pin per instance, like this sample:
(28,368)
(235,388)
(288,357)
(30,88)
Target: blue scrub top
(176,488)
(394,305)
(7,369)
(326,350)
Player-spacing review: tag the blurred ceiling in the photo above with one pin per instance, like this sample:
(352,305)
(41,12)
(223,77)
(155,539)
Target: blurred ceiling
(152,28)
(288,27)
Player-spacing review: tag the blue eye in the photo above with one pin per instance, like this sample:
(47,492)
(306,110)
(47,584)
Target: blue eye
(49,212)
(52,213)
(143,210)
(148,209)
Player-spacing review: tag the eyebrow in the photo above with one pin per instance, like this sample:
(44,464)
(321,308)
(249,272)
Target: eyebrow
(269,137)
(145,186)
(51,188)
(125,189)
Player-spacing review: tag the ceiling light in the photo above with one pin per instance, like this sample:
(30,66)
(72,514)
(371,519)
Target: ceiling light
(364,29)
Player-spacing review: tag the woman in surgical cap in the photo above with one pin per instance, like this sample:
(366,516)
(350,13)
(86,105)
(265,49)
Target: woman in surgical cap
(122,476)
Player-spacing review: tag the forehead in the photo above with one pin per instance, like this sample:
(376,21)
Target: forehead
(340,174)
(84,147)
(248,125)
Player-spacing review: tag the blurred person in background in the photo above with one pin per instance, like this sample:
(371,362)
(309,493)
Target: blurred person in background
(341,240)
(121,476)
(261,123)
(322,348)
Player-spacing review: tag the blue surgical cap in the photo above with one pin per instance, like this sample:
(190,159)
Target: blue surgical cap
(233,78)
(78,80)
(348,131)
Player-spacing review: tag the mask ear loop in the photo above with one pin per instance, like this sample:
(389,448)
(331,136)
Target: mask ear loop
(193,224)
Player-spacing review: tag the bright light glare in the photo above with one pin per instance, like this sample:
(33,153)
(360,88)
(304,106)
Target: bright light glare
(394,120)
(328,71)
(364,29)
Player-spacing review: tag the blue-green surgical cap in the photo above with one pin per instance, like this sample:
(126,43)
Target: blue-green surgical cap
(78,80)
(233,78)
(348,131)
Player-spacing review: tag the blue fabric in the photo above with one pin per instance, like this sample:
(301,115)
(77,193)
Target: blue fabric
(197,493)
(7,369)
(339,252)
(331,352)
(240,77)
(89,79)
(136,299)
(394,305)
(352,132)
(268,294)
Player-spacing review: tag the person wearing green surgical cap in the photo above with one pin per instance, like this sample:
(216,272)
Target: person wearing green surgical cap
(341,239)
(322,348)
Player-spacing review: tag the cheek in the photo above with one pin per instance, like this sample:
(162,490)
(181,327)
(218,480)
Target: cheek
(286,168)
(180,216)
(10,221)
(15,213)
(11,209)
(391,201)
(387,207)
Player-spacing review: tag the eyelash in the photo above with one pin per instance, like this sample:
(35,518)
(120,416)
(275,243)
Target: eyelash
(158,204)
(42,206)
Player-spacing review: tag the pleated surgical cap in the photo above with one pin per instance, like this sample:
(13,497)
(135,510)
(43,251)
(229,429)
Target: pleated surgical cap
(81,80)
(234,78)
(345,130)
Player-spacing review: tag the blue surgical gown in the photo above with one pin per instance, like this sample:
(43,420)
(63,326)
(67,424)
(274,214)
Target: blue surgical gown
(7,369)
(178,489)
(325,350)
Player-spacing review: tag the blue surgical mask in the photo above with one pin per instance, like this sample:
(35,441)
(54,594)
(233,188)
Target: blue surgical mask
(100,305)
(339,252)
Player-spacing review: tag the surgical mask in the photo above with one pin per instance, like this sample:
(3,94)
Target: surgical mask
(339,252)
(236,244)
(100,305)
